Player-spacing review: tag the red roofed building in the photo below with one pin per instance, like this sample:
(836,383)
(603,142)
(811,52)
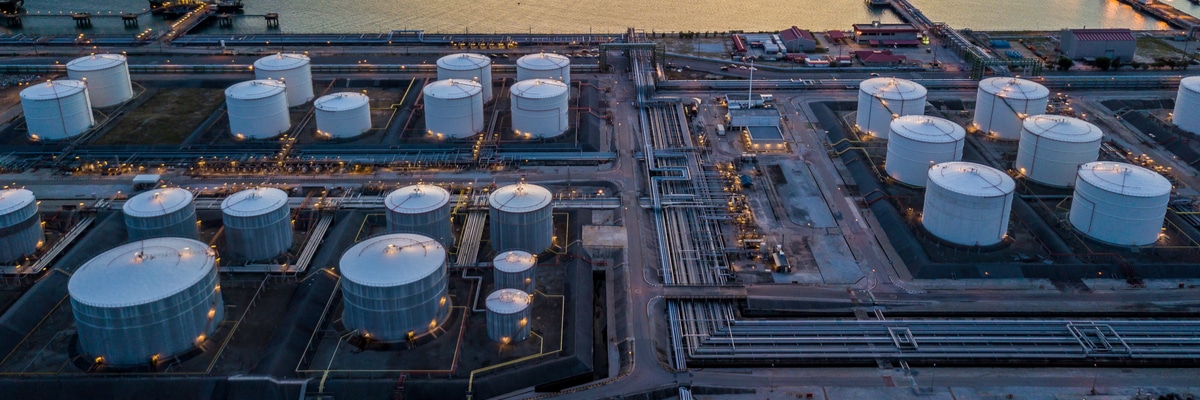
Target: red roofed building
(877,34)
(1094,43)
(877,58)
(798,40)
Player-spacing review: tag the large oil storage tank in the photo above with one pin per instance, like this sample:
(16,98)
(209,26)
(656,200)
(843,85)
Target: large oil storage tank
(343,115)
(423,209)
(1053,147)
(293,70)
(882,99)
(454,108)
(1187,105)
(515,269)
(508,315)
(258,223)
(967,203)
(146,301)
(544,66)
(20,224)
(917,142)
(163,212)
(468,66)
(394,286)
(1119,203)
(257,109)
(106,75)
(57,110)
(539,108)
(1002,103)
(522,217)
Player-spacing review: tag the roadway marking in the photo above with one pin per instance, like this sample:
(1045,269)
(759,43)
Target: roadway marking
(857,217)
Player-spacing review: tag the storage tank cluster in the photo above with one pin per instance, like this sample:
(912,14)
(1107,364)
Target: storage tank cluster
(508,315)
(258,223)
(882,99)
(1002,103)
(343,115)
(20,224)
(57,110)
(1052,148)
(162,212)
(422,209)
(544,66)
(468,66)
(294,70)
(515,269)
(106,76)
(967,204)
(454,108)
(521,218)
(1119,204)
(257,109)
(394,287)
(146,301)
(1187,104)
(539,108)
(917,142)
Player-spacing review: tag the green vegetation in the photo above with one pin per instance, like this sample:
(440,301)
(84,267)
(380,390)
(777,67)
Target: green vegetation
(1153,48)
(168,117)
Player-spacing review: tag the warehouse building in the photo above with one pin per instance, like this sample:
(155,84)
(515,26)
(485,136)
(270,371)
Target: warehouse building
(1095,43)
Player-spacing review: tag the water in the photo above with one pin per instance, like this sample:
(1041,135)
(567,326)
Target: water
(556,16)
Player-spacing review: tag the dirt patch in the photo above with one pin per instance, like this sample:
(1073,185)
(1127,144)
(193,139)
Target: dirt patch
(167,117)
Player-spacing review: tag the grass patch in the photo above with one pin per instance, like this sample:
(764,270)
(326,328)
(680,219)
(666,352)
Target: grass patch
(168,117)
(1151,47)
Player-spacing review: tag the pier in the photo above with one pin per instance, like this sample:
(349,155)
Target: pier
(1168,14)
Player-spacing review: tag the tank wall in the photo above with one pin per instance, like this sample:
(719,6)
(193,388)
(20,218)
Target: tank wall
(515,326)
(346,123)
(558,74)
(997,116)
(181,223)
(541,118)
(525,281)
(875,118)
(1185,116)
(259,118)
(259,237)
(909,160)
(21,239)
(1052,162)
(389,313)
(532,231)
(1116,219)
(965,220)
(456,118)
(434,224)
(57,119)
(106,87)
(481,75)
(297,81)
(19,216)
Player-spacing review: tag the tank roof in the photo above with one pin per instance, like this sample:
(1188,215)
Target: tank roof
(1191,83)
(928,129)
(15,199)
(543,61)
(893,88)
(281,62)
(1014,88)
(157,202)
(253,202)
(520,198)
(255,89)
(53,90)
(514,261)
(539,88)
(341,101)
(508,301)
(1063,128)
(392,260)
(417,199)
(464,61)
(971,179)
(96,62)
(453,89)
(1124,179)
(141,272)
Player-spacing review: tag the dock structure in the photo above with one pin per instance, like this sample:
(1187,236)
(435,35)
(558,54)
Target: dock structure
(978,59)
(187,22)
(1168,14)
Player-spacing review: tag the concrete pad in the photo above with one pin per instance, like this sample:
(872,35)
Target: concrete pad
(835,260)
(604,236)
(802,198)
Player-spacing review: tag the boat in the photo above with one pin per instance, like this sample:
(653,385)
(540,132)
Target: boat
(11,6)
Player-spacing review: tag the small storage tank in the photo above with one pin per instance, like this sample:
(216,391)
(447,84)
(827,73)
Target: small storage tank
(468,66)
(293,70)
(20,224)
(258,223)
(106,75)
(257,109)
(544,66)
(522,217)
(515,269)
(343,115)
(1119,204)
(146,301)
(967,203)
(422,209)
(1053,147)
(882,99)
(1187,102)
(454,108)
(917,142)
(539,108)
(57,110)
(163,212)
(394,285)
(1002,103)
(508,315)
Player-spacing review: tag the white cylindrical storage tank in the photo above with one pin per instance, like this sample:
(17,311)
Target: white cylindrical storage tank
(454,108)
(882,99)
(1053,147)
(20,224)
(258,223)
(422,209)
(515,269)
(1119,203)
(967,203)
(163,212)
(146,301)
(343,115)
(57,110)
(508,315)
(1187,105)
(293,70)
(106,75)
(522,218)
(917,142)
(257,109)
(468,66)
(539,108)
(1002,103)
(544,66)
(394,284)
